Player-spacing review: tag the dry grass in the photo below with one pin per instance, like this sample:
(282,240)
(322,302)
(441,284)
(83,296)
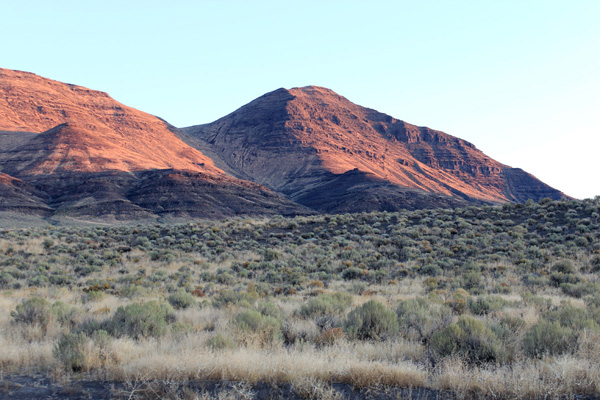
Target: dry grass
(311,369)
(311,352)
(548,379)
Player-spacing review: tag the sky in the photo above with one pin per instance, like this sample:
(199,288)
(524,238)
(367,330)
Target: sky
(519,79)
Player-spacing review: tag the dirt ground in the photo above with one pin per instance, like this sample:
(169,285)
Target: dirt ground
(42,387)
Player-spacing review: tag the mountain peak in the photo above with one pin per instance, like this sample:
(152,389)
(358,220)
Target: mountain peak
(296,140)
(81,129)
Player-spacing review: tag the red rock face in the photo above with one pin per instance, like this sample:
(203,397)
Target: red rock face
(85,130)
(295,140)
(70,151)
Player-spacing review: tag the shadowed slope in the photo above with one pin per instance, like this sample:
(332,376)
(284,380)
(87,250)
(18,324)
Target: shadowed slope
(19,196)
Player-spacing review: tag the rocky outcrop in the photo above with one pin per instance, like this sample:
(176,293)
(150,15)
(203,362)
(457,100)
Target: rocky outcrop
(304,142)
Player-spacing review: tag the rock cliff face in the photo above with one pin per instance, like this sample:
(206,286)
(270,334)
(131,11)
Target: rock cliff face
(330,154)
(68,150)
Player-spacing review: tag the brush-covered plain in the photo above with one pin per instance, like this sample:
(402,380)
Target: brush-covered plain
(498,302)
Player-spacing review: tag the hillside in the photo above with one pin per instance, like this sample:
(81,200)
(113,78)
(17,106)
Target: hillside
(80,153)
(305,142)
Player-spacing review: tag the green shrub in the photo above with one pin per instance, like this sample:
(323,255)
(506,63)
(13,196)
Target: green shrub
(6,279)
(352,273)
(230,298)
(486,305)
(541,304)
(580,289)
(264,328)
(564,267)
(573,317)
(225,278)
(142,320)
(458,301)
(419,318)
(181,300)
(70,351)
(39,281)
(372,320)
(595,263)
(92,296)
(64,313)
(326,305)
(269,309)
(469,338)
(220,342)
(33,311)
(547,338)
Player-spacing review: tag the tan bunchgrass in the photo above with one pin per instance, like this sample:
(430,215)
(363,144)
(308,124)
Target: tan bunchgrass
(552,378)
(190,359)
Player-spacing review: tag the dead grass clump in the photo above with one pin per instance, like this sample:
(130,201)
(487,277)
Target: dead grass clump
(314,389)
(369,374)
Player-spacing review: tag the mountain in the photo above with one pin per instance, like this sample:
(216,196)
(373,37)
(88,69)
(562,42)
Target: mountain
(329,154)
(68,151)
(71,151)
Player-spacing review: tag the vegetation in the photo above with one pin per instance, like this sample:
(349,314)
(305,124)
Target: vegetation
(489,301)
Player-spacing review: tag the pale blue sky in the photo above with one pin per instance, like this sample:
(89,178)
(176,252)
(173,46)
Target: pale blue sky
(519,79)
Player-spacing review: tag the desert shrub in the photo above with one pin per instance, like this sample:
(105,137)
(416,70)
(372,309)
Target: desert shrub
(572,317)
(79,351)
(92,296)
(6,279)
(326,304)
(564,267)
(359,287)
(580,289)
(181,300)
(225,278)
(329,336)
(60,278)
(39,281)
(469,338)
(33,311)
(541,304)
(158,276)
(85,270)
(70,351)
(458,301)
(547,338)
(372,320)
(220,342)
(595,263)
(263,328)
(269,309)
(419,318)
(431,270)
(486,305)
(64,314)
(352,273)
(142,320)
(508,328)
(299,331)
(133,291)
(271,255)
(228,298)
